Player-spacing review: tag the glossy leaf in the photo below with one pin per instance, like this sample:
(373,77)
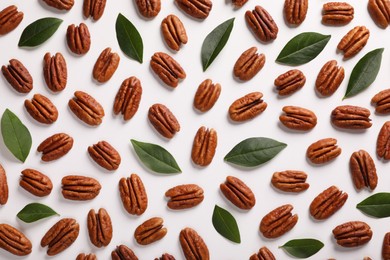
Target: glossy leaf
(225,224)
(129,39)
(35,211)
(377,205)
(39,31)
(303,248)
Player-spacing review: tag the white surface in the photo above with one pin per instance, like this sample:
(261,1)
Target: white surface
(179,100)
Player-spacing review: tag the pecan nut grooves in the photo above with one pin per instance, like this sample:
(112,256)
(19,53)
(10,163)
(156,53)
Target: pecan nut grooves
(150,231)
(163,120)
(199,9)
(10,18)
(323,151)
(78,38)
(380,12)
(193,245)
(206,95)
(105,155)
(18,76)
(106,65)
(278,221)
(128,98)
(329,78)
(247,107)
(165,256)
(86,108)
(81,188)
(35,182)
(337,13)
(363,170)
(327,203)
(41,109)
(263,254)
(290,82)
(83,256)
(354,41)
(386,246)
(60,4)
(238,193)
(55,146)
(351,117)
(55,71)
(148,8)
(133,194)
(94,8)
(298,118)
(383,142)
(204,146)
(248,64)
(352,234)
(99,227)
(167,69)
(3,186)
(122,252)
(382,102)
(14,241)
(261,24)
(295,11)
(173,32)
(184,196)
(290,181)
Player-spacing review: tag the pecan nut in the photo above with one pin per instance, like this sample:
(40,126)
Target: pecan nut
(386,246)
(352,234)
(18,76)
(247,107)
(163,120)
(239,3)
(193,245)
(165,256)
(78,38)
(329,78)
(122,252)
(148,8)
(295,11)
(83,256)
(184,196)
(99,227)
(298,118)
(10,18)
(351,117)
(323,151)
(290,82)
(41,109)
(14,241)
(261,24)
(76,187)
(35,182)
(238,193)
(60,236)
(206,95)
(94,8)
(128,98)
(105,155)
(363,170)
(337,13)
(290,181)
(60,4)
(167,69)
(354,41)
(383,142)
(3,186)
(106,65)
(86,108)
(248,64)
(263,254)
(55,71)
(55,146)
(327,203)
(204,146)
(133,194)
(150,231)
(173,32)
(382,102)
(380,12)
(195,8)
(278,221)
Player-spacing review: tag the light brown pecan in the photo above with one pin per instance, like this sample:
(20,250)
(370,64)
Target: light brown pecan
(247,107)
(167,69)
(10,18)
(383,142)
(3,186)
(94,8)
(248,64)
(173,32)
(122,252)
(106,65)
(99,227)
(323,151)
(35,182)
(263,254)
(184,196)
(352,43)
(193,245)
(363,170)
(18,76)
(41,109)
(337,13)
(298,118)
(150,231)
(382,102)
(55,146)
(55,71)
(148,8)
(76,187)
(204,146)
(86,108)
(327,203)
(14,241)
(380,12)
(133,194)
(238,193)
(290,181)
(196,8)
(83,256)
(351,117)
(165,256)
(278,221)
(290,82)
(60,236)
(352,234)
(329,78)
(295,11)
(386,246)
(105,155)
(206,95)
(128,98)
(261,24)
(60,4)
(163,120)
(78,38)
(239,3)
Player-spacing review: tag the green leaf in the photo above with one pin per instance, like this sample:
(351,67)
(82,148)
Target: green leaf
(215,41)
(225,224)
(129,39)
(303,248)
(16,136)
(377,205)
(254,151)
(364,73)
(155,157)
(303,48)
(39,31)
(35,211)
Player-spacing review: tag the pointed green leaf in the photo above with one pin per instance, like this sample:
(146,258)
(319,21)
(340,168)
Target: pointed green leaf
(225,224)
(377,205)
(129,39)
(39,31)
(303,248)
(35,211)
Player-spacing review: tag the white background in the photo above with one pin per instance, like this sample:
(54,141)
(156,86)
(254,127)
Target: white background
(179,100)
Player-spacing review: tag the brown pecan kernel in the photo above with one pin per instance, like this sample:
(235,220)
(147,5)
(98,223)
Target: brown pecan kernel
(60,4)
(14,241)
(263,254)
(352,234)
(163,120)
(239,3)
(128,98)
(204,146)
(295,11)
(3,186)
(18,76)
(122,252)
(86,108)
(327,203)
(196,8)
(78,38)
(133,194)
(105,155)
(248,64)
(290,82)
(383,142)
(247,107)
(351,117)
(382,102)
(106,65)
(238,193)
(290,181)
(173,32)
(167,69)
(323,151)
(150,231)
(60,236)
(94,8)
(35,182)
(193,245)
(298,118)
(329,78)
(165,256)
(41,109)
(337,13)
(278,221)
(55,71)
(380,12)
(80,187)
(10,18)
(261,24)
(363,170)
(354,41)
(83,256)
(99,227)
(386,246)
(148,8)
(55,146)
(184,196)
(206,95)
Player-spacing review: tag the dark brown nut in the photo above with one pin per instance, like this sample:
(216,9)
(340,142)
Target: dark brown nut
(148,8)
(295,11)
(363,170)
(35,182)
(86,108)
(238,193)
(41,109)
(206,95)
(106,65)
(128,98)
(133,194)
(248,64)
(3,186)
(60,4)
(290,82)
(150,231)
(204,146)
(278,221)
(14,241)
(99,227)
(298,118)
(163,120)
(80,187)
(167,69)
(352,234)
(263,254)
(386,246)
(55,146)
(10,18)
(337,13)
(247,107)
(165,256)
(239,3)
(351,117)
(380,12)
(94,8)
(60,236)
(329,78)
(55,71)
(290,181)
(193,245)
(327,203)
(78,38)
(352,43)
(18,76)
(383,142)
(173,32)
(382,102)
(261,24)
(184,196)
(323,151)
(105,155)
(83,256)
(122,252)
(196,8)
